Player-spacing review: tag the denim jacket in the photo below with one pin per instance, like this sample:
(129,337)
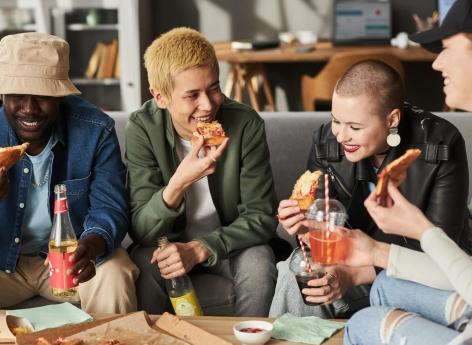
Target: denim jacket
(87,159)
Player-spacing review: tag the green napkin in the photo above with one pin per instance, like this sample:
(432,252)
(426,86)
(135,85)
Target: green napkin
(53,315)
(307,329)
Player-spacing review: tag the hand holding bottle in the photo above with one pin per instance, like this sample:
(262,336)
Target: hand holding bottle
(88,249)
(179,288)
(177,258)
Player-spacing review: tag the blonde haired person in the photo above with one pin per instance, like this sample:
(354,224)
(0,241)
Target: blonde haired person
(169,55)
(423,298)
(215,204)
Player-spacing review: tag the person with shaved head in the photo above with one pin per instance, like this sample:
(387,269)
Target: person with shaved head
(371,126)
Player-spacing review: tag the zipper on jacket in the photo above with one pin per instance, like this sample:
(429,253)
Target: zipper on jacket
(337,181)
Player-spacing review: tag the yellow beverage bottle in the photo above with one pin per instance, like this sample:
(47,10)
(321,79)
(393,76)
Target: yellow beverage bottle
(62,244)
(181,292)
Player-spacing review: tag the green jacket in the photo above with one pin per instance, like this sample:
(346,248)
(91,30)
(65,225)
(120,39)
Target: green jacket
(242,187)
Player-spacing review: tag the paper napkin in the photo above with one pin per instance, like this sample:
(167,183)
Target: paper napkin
(53,315)
(307,329)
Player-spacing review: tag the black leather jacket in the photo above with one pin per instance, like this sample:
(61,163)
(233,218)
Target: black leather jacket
(437,182)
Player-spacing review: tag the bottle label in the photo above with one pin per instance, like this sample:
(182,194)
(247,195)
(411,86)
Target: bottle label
(186,305)
(60,205)
(58,264)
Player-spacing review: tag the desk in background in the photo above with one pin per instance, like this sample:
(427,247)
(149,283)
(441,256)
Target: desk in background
(247,68)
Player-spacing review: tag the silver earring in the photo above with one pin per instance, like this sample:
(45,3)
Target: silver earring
(393,138)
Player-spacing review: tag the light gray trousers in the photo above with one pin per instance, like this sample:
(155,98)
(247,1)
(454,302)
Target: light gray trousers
(252,271)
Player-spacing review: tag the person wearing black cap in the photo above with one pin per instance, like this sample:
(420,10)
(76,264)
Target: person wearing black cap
(453,42)
(422,297)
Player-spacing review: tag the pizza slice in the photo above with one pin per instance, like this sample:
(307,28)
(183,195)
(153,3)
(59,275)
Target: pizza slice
(304,190)
(12,154)
(58,341)
(394,172)
(213,133)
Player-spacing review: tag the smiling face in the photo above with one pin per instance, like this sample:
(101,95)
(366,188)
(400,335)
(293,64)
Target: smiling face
(360,129)
(455,64)
(196,96)
(32,118)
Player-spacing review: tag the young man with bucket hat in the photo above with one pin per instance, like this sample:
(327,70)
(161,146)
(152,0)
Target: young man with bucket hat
(70,142)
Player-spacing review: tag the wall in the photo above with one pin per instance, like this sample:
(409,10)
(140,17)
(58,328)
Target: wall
(222,20)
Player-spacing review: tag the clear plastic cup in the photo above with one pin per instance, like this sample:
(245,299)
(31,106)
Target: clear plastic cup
(328,245)
(303,274)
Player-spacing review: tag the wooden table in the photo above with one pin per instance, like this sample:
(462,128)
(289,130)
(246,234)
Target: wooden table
(223,327)
(247,70)
(322,52)
(217,325)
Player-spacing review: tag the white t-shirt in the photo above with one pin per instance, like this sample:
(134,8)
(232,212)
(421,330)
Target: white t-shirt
(201,215)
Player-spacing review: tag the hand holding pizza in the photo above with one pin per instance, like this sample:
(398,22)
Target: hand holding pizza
(291,211)
(200,162)
(400,217)
(8,157)
(394,172)
(191,169)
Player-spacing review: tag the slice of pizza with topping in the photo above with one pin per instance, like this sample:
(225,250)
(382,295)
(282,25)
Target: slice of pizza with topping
(212,132)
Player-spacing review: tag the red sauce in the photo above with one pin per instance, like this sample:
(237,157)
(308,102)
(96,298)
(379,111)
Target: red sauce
(251,330)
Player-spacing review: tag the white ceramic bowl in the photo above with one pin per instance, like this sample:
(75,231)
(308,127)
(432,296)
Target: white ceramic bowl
(257,338)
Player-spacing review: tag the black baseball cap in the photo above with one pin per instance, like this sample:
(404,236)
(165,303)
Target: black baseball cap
(457,20)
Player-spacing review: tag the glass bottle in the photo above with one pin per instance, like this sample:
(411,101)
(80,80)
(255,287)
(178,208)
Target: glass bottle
(62,244)
(181,292)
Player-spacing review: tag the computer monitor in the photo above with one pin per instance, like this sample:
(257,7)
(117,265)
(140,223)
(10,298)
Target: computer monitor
(362,22)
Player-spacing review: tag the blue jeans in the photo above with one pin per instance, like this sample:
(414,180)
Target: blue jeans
(425,324)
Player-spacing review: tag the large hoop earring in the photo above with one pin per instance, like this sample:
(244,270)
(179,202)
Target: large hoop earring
(393,138)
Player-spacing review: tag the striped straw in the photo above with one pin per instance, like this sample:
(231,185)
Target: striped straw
(305,257)
(326,181)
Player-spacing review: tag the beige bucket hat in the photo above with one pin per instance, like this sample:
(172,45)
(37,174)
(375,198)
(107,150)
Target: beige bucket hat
(35,63)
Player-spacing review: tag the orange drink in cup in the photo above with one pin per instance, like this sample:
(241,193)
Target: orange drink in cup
(328,247)
(327,243)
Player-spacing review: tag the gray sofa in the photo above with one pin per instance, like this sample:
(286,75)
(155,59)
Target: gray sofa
(289,137)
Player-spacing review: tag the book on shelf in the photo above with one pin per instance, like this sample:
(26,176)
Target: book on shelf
(117,72)
(107,65)
(102,62)
(94,61)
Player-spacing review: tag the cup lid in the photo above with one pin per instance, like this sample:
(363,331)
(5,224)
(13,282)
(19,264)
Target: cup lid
(337,211)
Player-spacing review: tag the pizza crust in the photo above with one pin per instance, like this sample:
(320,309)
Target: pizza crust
(10,155)
(394,172)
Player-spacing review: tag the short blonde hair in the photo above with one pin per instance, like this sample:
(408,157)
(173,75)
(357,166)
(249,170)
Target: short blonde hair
(173,52)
